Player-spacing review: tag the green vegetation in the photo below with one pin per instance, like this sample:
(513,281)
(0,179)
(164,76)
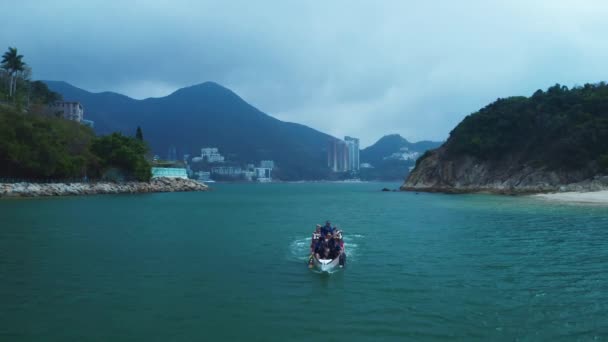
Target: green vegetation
(36,144)
(423,156)
(139,135)
(13,63)
(561,128)
(44,147)
(39,147)
(17,89)
(116,151)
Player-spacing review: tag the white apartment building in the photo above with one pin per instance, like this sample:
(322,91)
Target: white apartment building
(263,174)
(68,110)
(212,155)
(353,153)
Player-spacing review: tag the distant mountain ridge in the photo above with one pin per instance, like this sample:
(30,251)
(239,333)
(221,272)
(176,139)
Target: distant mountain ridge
(392,156)
(393,143)
(207,114)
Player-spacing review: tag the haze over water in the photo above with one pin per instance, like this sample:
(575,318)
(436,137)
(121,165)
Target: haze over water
(230,265)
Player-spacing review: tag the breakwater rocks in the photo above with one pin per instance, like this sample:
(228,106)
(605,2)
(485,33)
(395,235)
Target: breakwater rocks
(96,188)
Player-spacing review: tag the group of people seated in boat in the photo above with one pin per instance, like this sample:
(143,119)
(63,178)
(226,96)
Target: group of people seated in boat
(327,243)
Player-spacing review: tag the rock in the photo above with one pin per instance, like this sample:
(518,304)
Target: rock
(62,189)
(440,172)
(386,189)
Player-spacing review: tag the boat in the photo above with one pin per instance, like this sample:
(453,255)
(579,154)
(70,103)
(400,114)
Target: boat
(327,265)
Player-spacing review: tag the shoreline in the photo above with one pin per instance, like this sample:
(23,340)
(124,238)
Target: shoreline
(18,190)
(592,197)
(598,183)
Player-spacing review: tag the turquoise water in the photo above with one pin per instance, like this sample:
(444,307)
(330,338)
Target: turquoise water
(230,265)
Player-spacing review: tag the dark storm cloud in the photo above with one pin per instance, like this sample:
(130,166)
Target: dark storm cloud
(345,67)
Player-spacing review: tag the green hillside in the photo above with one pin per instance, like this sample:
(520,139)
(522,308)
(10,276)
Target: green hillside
(208,115)
(44,147)
(559,129)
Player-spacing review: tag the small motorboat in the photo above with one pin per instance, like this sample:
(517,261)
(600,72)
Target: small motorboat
(337,257)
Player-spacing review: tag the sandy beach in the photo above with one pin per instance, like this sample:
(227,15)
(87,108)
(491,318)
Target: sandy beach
(600,197)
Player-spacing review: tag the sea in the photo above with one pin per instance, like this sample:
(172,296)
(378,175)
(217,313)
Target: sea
(230,265)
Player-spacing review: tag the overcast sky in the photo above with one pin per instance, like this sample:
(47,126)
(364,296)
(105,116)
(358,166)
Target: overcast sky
(360,68)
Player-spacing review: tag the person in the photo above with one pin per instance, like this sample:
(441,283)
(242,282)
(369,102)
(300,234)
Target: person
(322,245)
(335,246)
(339,249)
(316,235)
(326,253)
(327,228)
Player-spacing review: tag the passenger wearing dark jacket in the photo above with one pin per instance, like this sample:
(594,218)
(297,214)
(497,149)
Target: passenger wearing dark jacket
(327,229)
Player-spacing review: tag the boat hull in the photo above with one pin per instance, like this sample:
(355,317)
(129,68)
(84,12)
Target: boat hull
(326,265)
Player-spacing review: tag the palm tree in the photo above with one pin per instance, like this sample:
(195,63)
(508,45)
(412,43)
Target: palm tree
(12,63)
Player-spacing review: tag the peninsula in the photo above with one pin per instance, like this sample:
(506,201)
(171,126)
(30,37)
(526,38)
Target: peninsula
(553,141)
(48,142)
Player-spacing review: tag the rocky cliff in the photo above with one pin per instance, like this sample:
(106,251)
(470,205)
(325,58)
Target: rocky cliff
(554,140)
(438,171)
(66,189)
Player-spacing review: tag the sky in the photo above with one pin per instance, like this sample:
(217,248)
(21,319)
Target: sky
(358,68)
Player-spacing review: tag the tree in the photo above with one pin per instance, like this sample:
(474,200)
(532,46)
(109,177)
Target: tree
(126,154)
(139,135)
(12,62)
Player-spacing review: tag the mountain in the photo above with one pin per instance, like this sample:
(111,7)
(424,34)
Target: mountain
(392,156)
(555,140)
(208,115)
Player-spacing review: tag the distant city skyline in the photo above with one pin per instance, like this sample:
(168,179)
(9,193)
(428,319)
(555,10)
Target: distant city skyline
(362,69)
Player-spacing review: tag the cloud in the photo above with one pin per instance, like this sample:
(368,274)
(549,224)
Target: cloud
(344,67)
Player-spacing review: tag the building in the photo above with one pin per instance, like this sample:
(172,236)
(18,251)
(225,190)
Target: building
(353,153)
(172,154)
(212,155)
(248,175)
(230,171)
(263,174)
(68,110)
(337,155)
(171,172)
(203,176)
(269,164)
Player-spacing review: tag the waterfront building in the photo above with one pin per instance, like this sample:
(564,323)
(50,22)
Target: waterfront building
(263,174)
(230,171)
(203,176)
(68,110)
(212,155)
(172,154)
(171,172)
(353,153)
